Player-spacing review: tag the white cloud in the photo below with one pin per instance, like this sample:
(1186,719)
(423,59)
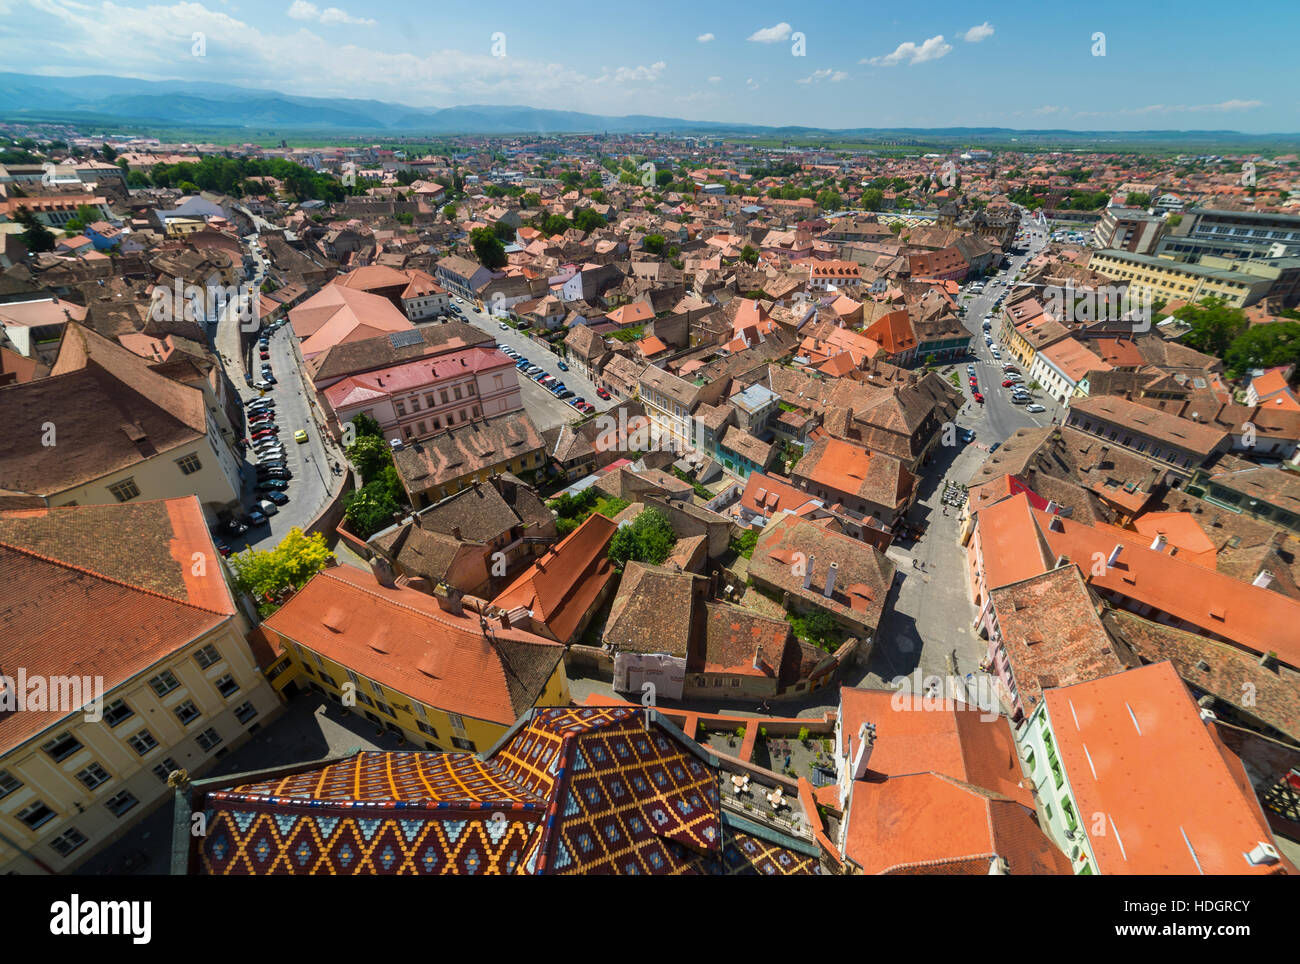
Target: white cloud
(771,35)
(704,38)
(624,75)
(975,34)
(834,76)
(330,16)
(910,53)
(751,84)
(715,80)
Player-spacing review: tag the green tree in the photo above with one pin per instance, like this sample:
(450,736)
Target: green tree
(35,237)
(654,243)
(1264,346)
(504,231)
(370,454)
(449,212)
(588,220)
(290,564)
(1214,326)
(369,509)
(107,152)
(488,248)
(554,224)
(1136,199)
(872,199)
(649,538)
(749,254)
(828,200)
(366,425)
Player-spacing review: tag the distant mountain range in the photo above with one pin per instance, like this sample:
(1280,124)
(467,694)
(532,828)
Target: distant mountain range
(108,101)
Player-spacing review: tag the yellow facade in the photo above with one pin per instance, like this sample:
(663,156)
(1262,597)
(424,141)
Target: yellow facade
(441,729)
(108,756)
(1168,280)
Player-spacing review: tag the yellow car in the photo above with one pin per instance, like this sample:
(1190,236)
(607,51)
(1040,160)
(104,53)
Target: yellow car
(300,435)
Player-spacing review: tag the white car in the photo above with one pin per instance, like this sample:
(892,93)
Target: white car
(1035,408)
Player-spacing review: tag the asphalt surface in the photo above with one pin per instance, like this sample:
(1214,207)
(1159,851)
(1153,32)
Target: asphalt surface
(310,462)
(997,418)
(542,407)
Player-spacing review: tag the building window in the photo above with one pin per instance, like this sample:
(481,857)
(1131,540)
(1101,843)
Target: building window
(186,712)
(227,686)
(421,428)
(469,389)
(444,397)
(164,683)
(384,708)
(189,464)
(430,400)
(8,783)
(125,490)
(62,747)
(116,712)
(207,656)
(415,403)
(245,712)
(120,803)
(35,815)
(208,739)
(462,744)
(457,722)
(401,409)
(93,776)
(426,729)
(143,742)
(163,770)
(68,841)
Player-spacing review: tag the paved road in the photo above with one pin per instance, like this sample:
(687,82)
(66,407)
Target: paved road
(310,462)
(542,407)
(998,418)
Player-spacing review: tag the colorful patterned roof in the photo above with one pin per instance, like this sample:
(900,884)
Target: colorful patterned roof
(580,790)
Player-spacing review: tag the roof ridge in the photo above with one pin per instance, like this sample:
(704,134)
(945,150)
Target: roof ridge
(111,579)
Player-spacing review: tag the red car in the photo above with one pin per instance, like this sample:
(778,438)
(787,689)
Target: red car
(603,394)
(1007,383)
(264,434)
(979,398)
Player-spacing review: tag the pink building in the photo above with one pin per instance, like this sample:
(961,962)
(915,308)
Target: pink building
(418,398)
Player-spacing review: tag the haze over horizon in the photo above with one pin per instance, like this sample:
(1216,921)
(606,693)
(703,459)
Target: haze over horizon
(1013,65)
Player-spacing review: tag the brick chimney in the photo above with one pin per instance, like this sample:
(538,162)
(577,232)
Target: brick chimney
(383,572)
(808,572)
(831,573)
(449,599)
(866,740)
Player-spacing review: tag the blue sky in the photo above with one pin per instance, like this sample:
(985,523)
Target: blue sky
(1026,65)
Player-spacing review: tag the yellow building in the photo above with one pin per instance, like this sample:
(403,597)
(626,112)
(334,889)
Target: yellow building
(159,678)
(420,666)
(1166,280)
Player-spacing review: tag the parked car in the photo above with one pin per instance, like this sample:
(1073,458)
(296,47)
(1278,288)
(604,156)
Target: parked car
(979,398)
(970,369)
(1007,383)
(276,496)
(1035,408)
(270,379)
(222,547)
(586,408)
(603,393)
(257,518)
(578,401)
(261,384)
(966,435)
(561,366)
(234,527)
(272,485)
(503,326)
(267,507)
(564,396)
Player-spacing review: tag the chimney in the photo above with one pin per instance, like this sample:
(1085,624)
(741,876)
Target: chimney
(449,599)
(1158,544)
(808,571)
(831,573)
(758,658)
(504,618)
(1052,507)
(1264,579)
(383,572)
(1114,555)
(866,740)
(455,533)
(1263,853)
